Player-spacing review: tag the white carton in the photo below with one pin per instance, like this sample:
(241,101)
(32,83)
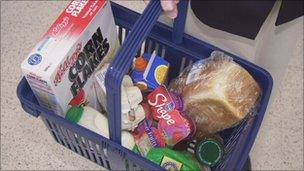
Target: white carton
(61,66)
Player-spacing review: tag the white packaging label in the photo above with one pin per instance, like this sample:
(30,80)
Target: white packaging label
(194,72)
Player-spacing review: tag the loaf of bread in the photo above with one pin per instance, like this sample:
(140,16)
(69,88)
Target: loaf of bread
(217,92)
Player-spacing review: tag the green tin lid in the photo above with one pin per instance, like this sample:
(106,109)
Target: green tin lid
(74,114)
(209,152)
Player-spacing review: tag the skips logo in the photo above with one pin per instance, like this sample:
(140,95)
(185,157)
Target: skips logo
(82,64)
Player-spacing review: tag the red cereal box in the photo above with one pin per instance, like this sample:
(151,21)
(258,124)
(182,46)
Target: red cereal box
(61,66)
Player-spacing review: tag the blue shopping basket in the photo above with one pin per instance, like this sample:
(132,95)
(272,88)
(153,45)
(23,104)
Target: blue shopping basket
(138,34)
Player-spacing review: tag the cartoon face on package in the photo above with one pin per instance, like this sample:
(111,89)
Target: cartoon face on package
(61,66)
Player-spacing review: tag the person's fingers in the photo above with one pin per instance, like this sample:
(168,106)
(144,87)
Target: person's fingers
(176,1)
(170,7)
(171,14)
(167,5)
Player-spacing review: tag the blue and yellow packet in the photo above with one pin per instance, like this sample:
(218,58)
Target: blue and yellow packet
(154,75)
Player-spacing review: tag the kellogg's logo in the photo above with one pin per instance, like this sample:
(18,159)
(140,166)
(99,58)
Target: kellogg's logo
(68,62)
(60,26)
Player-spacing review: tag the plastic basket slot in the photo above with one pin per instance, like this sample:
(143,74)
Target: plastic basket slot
(149,46)
(127,32)
(84,151)
(101,161)
(95,153)
(163,51)
(177,62)
(127,163)
(136,167)
(71,137)
(116,158)
(95,158)
(56,131)
(100,157)
(52,130)
(118,152)
(102,154)
(47,124)
(77,143)
(105,145)
(183,63)
(190,62)
(123,34)
(146,46)
(141,50)
(160,49)
(108,164)
(156,48)
(62,134)
(117,28)
(68,139)
(62,137)
(89,149)
(83,147)
(120,34)
(138,53)
(132,165)
(98,149)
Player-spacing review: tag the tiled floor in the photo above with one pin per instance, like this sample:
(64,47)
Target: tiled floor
(26,144)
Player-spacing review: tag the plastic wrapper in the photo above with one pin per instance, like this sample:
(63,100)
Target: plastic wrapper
(217,92)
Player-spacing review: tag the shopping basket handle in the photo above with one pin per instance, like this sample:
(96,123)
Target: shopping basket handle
(179,22)
(122,62)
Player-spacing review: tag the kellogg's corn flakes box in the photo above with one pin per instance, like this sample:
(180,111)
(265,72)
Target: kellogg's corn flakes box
(61,66)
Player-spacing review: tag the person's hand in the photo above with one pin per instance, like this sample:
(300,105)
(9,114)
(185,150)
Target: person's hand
(170,8)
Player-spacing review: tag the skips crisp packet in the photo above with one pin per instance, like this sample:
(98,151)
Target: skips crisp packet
(164,109)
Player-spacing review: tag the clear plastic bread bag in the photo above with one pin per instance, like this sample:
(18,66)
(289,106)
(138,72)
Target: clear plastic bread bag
(218,93)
